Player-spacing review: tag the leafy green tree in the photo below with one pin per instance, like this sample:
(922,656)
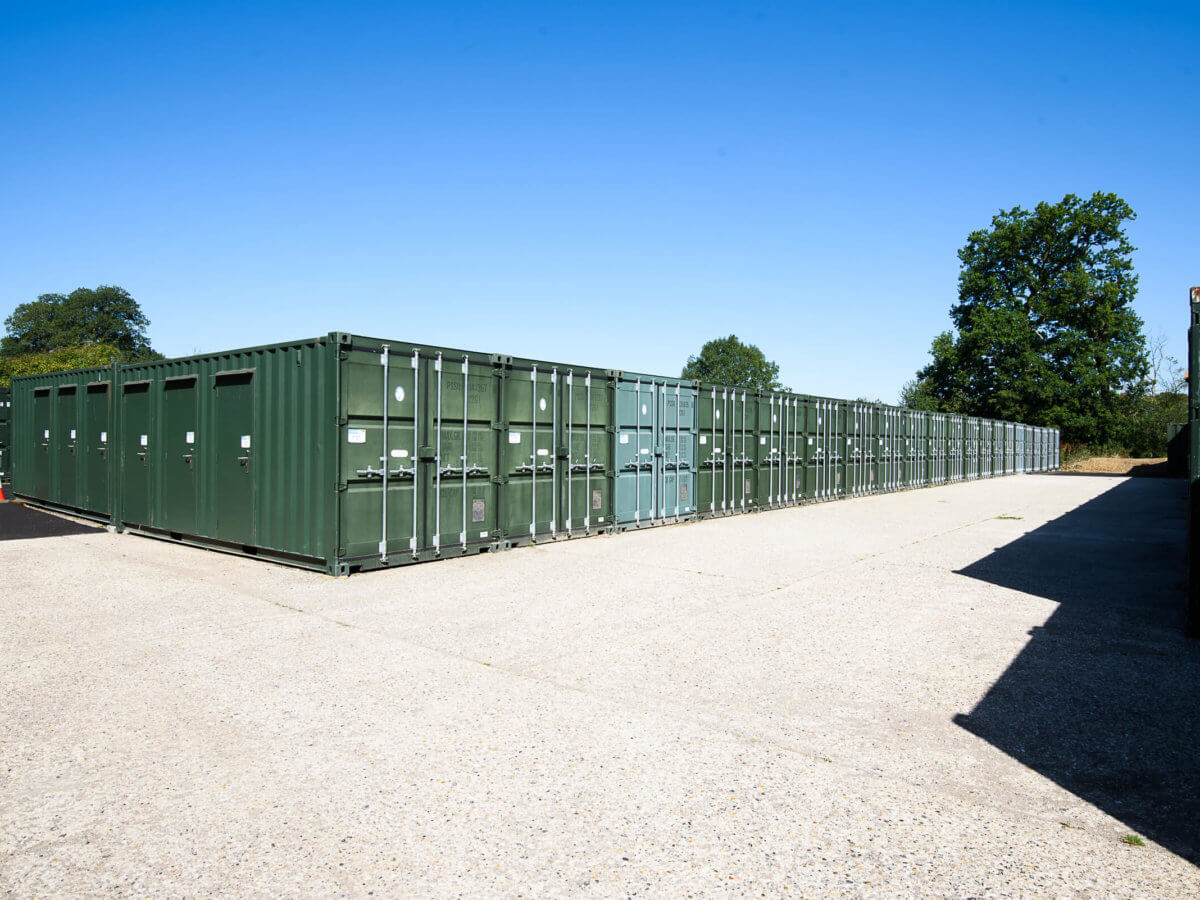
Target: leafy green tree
(1045,330)
(60,360)
(105,315)
(729,361)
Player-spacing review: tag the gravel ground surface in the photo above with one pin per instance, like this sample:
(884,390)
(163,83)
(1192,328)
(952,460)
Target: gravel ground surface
(1119,465)
(971,690)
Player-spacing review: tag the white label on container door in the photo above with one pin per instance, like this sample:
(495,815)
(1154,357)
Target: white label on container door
(703,439)
(144,439)
(599,518)
(399,454)
(716,449)
(643,409)
(46,434)
(399,395)
(762,440)
(542,451)
(189,437)
(774,418)
(72,434)
(483,534)
(245,442)
(718,414)
(104,437)
(542,404)
(354,436)
(514,437)
(645,450)
(624,438)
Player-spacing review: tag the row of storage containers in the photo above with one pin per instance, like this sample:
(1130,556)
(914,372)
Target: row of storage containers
(344,453)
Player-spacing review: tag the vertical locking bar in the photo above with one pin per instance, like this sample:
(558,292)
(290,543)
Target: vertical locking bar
(712,494)
(533,406)
(678,476)
(466,412)
(437,465)
(383,363)
(637,458)
(745,456)
(587,477)
(554,452)
(570,442)
(416,365)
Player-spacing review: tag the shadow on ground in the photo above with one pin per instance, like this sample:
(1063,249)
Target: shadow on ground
(1105,697)
(19,523)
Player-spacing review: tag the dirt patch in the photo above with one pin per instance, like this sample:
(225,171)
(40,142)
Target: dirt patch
(1118,465)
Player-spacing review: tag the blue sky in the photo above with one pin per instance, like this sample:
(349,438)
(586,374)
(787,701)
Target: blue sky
(597,183)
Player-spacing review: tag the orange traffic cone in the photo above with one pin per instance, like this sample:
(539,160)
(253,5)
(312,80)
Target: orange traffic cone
(2,497)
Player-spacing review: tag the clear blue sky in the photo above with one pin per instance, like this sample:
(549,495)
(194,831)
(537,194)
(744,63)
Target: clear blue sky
(600,183)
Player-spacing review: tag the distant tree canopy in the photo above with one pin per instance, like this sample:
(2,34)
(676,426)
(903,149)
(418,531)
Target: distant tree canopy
(1045,331)
(87,327)
(729,361)
(105,315)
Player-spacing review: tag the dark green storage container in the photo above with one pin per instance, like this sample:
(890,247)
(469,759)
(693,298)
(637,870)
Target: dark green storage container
(342,452)
(61,453)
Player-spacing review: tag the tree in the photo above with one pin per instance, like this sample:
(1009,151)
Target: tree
(105,315)
(729,361)
(60,360)
(1045,330)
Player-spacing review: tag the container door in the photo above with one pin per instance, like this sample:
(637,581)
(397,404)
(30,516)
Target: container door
(136,447)
(461,511)
(64,446)
(372,383)
(530,452)
(677,419)
(234,457)
(41,443)
(636,483)
(710,450)
(587,493)
(179,460)
(95,447)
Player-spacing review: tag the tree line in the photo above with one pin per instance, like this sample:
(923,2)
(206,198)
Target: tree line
(1044,332)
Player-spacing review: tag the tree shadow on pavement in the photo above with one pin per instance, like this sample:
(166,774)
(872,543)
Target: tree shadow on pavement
(1105,698)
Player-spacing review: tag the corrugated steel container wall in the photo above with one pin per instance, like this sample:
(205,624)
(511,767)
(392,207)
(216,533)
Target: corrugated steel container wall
(60,433)
(234,449)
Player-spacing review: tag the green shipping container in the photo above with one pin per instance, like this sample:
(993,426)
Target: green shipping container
(61,456)
(343,453)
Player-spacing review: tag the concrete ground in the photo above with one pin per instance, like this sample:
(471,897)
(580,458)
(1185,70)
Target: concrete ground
(975,689)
